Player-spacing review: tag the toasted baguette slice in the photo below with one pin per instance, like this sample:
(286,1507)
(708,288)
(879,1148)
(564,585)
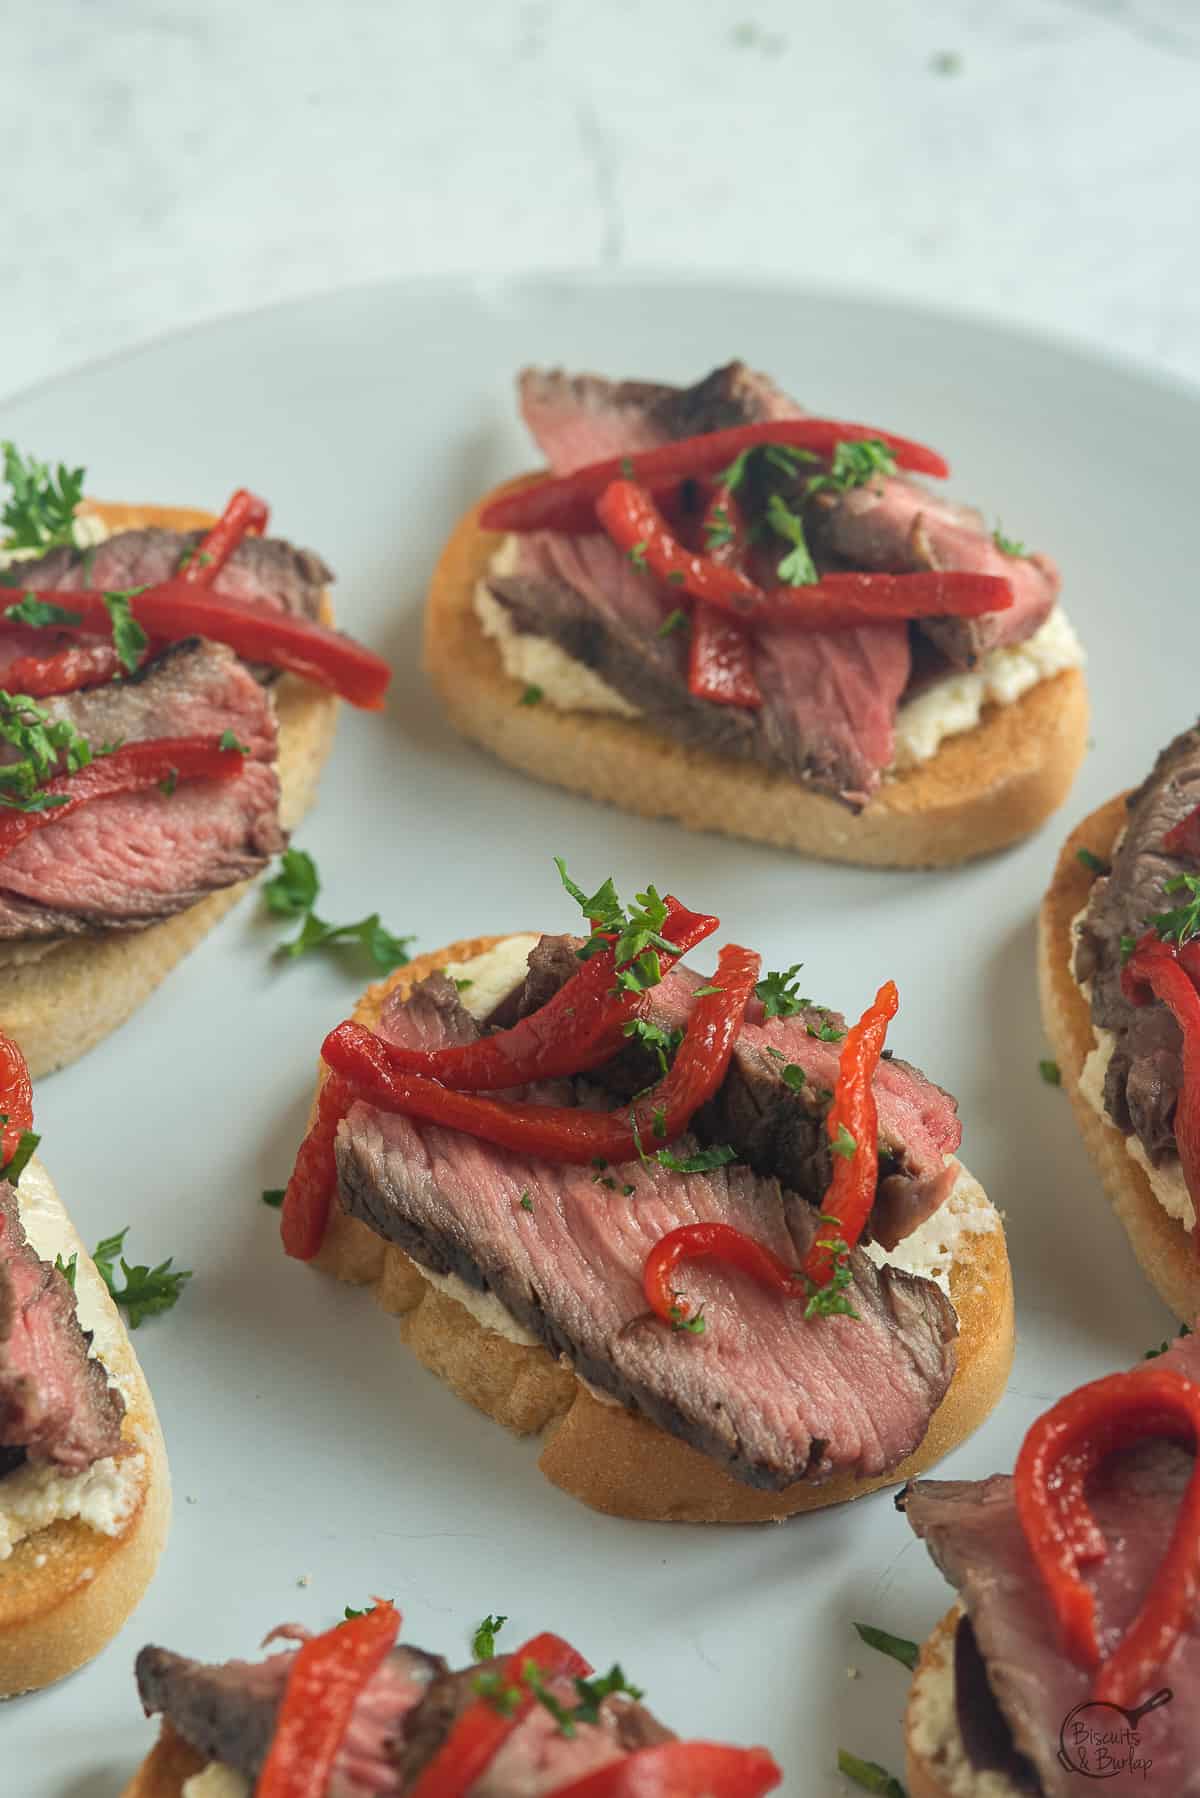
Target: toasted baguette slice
(1165,1249)
(66,1589)
(936,1760)
(601,1453)
(166,1768)
(60,1004)
(983,790)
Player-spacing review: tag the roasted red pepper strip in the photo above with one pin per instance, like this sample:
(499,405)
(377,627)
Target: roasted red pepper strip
(309,1194)
(567,502)
(681,1770)
(16,1099)
(66,671)
(1165,971)
(1060,1451)
(258,633)
(579,1028)
(327,1676)
(635,524)
(720,657)
(482,1730)
(842,602)
(567,1134)
(853,1118)
(1184,838)
(244,515)
(133,768)
(721,1242)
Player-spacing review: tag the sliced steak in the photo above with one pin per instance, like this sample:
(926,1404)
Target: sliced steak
(972,1531)
(56,1405)
(228,1712)
(537,1759)
(127,861)
(771,1397)
(1146,1071)
(896,525)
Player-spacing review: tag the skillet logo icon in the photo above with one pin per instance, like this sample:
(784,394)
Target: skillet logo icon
(1103,1740)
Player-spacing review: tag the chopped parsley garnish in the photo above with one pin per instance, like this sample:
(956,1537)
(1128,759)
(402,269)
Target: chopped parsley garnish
(844,1144)
(47,746)
(899,1647)
(525,1202)
(1008,546)
(350,1613)
(273,1196)
(532,695)
(1127,945)
(1092,862)
(658,1121)
(637,555)
(789,1073)
(129,639)
(700,1162)
(68,1269)
(1051,1072)
(638,932)
(674,621)
(661,1043)
(21,1156)
(779,993)
(229,740)
(1182,923)
(702,992)
(495,1690)
(593,1692)
(40,510)
(797,569)
(869,1775)
(826,1032)
(719,530)
(483,1642)
(168,783)
(38,613)
(853,465)
(1154,1353)
(292,893)
(147,1290)
(680,1319)
(830,1299)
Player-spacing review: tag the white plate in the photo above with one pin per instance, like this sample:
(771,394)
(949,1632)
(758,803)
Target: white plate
(314,1461)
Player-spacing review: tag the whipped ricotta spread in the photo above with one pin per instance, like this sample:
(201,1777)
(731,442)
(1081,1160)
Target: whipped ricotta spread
(946,708)
(105,1494)
(216,1781)
(88,530)
(934,1246)
(1166,1182)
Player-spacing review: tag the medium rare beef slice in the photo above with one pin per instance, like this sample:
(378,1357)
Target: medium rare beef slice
(56,1404)
(1145,1072)
(130,860)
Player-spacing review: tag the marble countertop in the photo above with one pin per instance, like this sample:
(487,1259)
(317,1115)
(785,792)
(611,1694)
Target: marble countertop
(171,162)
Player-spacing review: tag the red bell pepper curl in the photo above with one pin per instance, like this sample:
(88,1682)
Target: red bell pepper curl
(681,1770)
(565,1134)
(719,1242)
(133,768)
(306,1203)
(579,1028)
(567,502)
(720,658)
(16,1099)
(1060,1452)
(66,671)
(258,633)
(1170,974)
(482,1730)
(635,524)
(327,1677)
(244,515)
(1183,839)
(853,1127)
(840,602)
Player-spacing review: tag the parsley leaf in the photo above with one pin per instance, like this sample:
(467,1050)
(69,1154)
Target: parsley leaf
(147,1290)
(1182,923)
(680,1320)
(273,1196)
(292,893)
(1153,1354)
(779,993)
(483,1642)
(229,740)
(638,932)
(661,1043)
(853,465)
(899,1647)
(797,569)
(869,1775)
(40,511)
(68,1269)
(532,695)
(48,746)
(491,1687)
(40,612)
(791,1075)
(351,1613)
(21,1156)
(129,639)
(674,621)
(1008,546)
(1051,1072)
(844,1144)
(1092,862)
(593,1692)
(701,1162)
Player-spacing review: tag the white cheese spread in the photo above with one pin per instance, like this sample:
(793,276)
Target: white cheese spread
(87,530)
(1166,1182)
(945,709)
(934,1246)
(105,1494)
(216,1781)
(492,976)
